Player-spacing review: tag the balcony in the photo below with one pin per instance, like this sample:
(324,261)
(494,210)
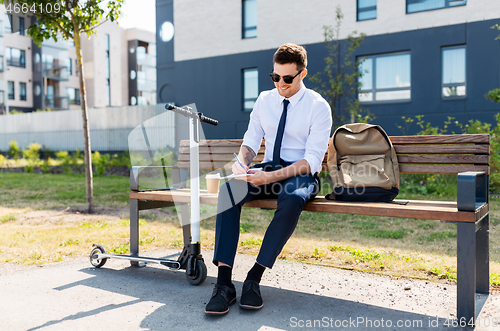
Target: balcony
(16,62)
(56,102)
(55,72)
(146,85)
(145,59)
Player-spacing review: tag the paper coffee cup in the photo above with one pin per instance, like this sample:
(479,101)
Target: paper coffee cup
(213,183)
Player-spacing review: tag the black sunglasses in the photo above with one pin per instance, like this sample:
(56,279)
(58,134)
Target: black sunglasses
(287,79)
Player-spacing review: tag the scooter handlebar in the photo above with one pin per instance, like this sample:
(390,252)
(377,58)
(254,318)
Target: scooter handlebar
(188,113)
(208,120)
(179,110)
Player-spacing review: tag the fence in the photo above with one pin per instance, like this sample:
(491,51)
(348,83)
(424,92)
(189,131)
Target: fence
(109,128)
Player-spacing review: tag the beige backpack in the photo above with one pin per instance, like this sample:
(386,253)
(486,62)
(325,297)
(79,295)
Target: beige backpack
(363,164)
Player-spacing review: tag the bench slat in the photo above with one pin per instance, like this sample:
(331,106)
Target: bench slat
(396,140)
(442,139)
(440,169)
(216,150)
(218,157)
(442,149)
(215,143)
(445,211)
(444,159)
(400,149)
(403,168)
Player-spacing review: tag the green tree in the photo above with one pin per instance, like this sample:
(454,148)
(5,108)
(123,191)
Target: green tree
(494,95)
(339,82)
(70,20)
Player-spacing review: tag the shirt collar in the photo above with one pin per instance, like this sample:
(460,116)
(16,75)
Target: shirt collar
(296,97)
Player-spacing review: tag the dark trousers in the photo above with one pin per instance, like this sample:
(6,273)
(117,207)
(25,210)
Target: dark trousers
(292,195)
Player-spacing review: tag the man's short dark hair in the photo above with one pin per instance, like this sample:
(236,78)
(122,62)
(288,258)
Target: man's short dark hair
(291,53)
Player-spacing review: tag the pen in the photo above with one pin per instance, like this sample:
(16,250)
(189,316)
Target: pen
(237,159)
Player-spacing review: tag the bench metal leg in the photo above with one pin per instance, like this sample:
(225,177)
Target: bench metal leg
(483,256)
(134,227)
(466,271)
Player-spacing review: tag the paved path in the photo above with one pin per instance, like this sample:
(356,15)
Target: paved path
(73,295)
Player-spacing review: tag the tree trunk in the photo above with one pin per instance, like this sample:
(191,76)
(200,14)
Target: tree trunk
(86,130)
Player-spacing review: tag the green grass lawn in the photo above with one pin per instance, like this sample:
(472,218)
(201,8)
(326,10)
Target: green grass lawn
(48,191)
(397,246)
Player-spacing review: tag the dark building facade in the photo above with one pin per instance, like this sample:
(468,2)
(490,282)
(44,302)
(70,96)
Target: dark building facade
(434,60)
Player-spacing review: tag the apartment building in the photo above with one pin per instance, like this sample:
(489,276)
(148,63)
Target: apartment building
(436,58)
(47,77)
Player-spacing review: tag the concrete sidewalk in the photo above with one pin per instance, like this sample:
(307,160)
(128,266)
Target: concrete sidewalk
(73,295)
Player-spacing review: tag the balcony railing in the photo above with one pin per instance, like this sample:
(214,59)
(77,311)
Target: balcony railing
(16,62)
(146,59)
(55,72)
(146,85)
(56,102)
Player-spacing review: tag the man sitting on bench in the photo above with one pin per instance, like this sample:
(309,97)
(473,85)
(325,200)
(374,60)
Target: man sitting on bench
(295,123)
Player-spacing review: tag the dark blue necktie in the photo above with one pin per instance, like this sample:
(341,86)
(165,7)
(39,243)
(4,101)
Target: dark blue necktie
(279,136)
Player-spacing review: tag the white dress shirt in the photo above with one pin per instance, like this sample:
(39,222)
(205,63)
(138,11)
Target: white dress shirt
(307,127)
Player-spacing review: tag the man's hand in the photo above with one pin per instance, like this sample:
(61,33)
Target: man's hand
(258,177)
(246,155)
(238,170)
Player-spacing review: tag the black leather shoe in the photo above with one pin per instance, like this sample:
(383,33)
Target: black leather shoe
(222,297)
(250,295)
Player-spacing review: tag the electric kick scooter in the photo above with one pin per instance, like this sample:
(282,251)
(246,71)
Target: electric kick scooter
(190,258)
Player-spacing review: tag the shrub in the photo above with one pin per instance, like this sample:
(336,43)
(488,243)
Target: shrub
(32,155)
(14,150)
(45,166)
(76,157)
(33,152)
(65,159)
(100,161)
(472,127)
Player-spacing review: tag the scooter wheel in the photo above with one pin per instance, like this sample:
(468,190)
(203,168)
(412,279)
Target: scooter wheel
(201,274)
(96,250)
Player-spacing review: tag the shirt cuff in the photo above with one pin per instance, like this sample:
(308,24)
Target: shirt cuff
(314,164)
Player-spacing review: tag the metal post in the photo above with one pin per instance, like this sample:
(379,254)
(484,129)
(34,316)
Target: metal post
(134,227)
(195,180)
(466,271)
(483,256)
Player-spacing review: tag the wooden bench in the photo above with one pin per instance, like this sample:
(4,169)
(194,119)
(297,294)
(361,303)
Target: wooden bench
(466,156)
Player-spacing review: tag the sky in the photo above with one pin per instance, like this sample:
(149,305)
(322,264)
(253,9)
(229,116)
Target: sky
(138,14)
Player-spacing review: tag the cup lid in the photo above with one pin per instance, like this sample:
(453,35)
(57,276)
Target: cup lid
(217,175)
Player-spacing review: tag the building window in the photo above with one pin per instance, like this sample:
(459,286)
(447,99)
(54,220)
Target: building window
(22,91)
(8,23)
(10,90)
(414,6)
(21,26)
(367,10)
(453,72)
(2,98)
(76,67)
(386,77)
(249,16)
(15,57)
(250,88)
(108,75)
(73,96)
(69,64)
(1,28)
